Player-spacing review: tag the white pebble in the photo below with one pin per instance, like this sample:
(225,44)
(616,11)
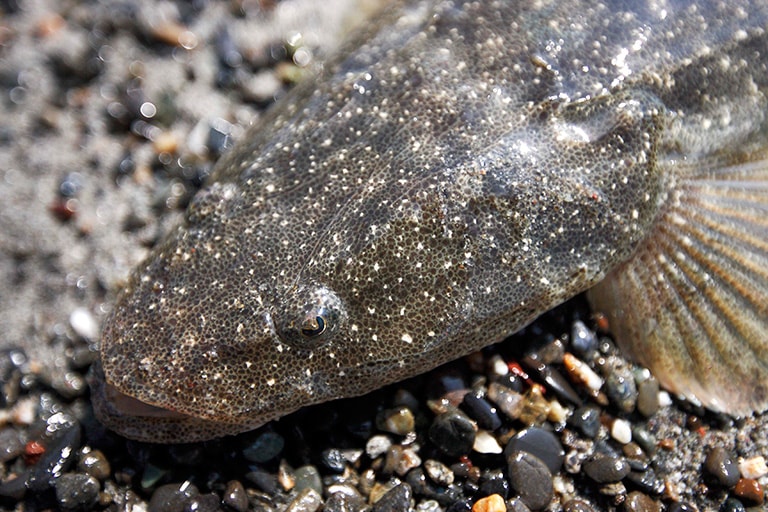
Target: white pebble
(377,445)
(486,443)
(621,431)
(754,467)
(664,399)
(84,324)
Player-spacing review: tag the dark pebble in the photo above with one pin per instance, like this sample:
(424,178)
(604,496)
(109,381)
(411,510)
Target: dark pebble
(204,503)
(586,420)
(576,505)
(453,433)
(749,491)
(77,491)
(721,465)
(539,442)
(645,439)
(682,506)
(459,506)
(517,505)
(235,496)
(639,502)
(646,482)
(344,502)
(531,479)
(554,381)
(95,464)
(60,453)
(620,388)
(396,499)
(635,456)
(605,469)
(732,505)
(583,340)
(11,444)
(333,460)
(172,497)
(263,480)
(512,381)
(479,409)
(494,482)
(264,448)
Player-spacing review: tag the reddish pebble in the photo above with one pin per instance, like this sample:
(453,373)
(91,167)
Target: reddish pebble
(32,452)
(749,491)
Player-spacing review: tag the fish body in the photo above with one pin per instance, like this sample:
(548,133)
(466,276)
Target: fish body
(459,169)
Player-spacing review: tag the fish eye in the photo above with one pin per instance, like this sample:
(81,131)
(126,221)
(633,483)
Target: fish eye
(310,318)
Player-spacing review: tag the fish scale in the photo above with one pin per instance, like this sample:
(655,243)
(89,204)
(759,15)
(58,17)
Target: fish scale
(458,169)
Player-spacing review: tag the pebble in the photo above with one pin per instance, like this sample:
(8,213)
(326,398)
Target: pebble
(396,499)
(508,400)
(720,464)
(648,397)
(11,444)
(753,467)
(265,447)
(539,442)
(639,502)
(438,472)
(333,459)
(209,502)
(60,453)
(583,340)
(645,439)
(517,505)
(77,491)
(750,491)
(94,463)
(494,482)
(486,443)
(400,460)
(621,430)
(732,505)
(581,373)
(308,500)
(263,480)
(235,496)
(646,481)
(377,446)
(344,502)
(681,506)
(586,420)
(605,468)
(535,406)
(172,497)
(398,421)
(620,388)
(478,408)
(577,505)
(492,503)
(308,477)
(453,433)
(531,479)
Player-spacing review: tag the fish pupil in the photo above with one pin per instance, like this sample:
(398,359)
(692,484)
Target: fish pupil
(313,327)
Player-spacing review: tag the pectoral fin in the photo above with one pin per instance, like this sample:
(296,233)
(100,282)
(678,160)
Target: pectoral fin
(692,303)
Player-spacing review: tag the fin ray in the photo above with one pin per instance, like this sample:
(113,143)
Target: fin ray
(692,303)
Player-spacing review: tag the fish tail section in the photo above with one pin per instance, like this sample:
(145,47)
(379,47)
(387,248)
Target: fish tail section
(692,303)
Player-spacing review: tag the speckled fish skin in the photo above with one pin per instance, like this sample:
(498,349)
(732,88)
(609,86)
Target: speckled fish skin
(461,168)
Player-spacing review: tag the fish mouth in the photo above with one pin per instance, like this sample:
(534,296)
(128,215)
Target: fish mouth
(130,406)
(142,421)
